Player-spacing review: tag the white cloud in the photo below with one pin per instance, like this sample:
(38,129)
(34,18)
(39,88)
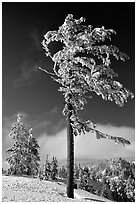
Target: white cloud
(87,146)
(53,145)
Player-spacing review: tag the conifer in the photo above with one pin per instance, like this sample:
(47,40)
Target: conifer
(24,157)
(82,67)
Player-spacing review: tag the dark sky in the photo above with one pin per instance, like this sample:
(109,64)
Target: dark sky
(32,92)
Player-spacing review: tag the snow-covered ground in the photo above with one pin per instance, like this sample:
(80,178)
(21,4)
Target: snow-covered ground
(23,189)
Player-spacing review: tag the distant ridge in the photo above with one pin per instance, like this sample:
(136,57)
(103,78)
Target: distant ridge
(89,162)
(82,162)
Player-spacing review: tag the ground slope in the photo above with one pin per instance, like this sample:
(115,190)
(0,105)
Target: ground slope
(23,189)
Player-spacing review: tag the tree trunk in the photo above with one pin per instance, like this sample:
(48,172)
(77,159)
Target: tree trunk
(70,156)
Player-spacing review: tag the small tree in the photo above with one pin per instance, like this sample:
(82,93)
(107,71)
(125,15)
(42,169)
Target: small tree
(24,155)
(77,171)
(81,67)
(47,169)
(84,179)
(54,168)
(62,172)
(32,154)
(18,151)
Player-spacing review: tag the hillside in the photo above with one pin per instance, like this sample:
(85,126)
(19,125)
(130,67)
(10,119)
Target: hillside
(24,189)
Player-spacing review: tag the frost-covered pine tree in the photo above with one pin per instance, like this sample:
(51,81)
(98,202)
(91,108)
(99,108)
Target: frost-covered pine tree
(81,67)
(54,168)
(24,157)
(47,169)
(33,156)
(62,172)
(17,152)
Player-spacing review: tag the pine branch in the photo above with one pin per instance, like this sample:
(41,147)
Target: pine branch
(119,140)
(80,127)
(54,69)
(44,70)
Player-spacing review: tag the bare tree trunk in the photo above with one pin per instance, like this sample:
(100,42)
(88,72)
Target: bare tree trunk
(70,156)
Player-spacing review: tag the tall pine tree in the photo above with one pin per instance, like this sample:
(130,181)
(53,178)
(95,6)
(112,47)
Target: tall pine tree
(81,67)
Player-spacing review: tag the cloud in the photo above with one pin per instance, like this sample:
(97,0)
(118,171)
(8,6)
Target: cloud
(52,138)
(29,74)
(53,146)
(87,146)
(101,149)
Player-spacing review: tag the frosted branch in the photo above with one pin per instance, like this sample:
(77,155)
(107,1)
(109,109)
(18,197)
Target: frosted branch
(44,70)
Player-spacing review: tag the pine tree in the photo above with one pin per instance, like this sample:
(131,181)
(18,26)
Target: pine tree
(83,67)
(47,169)
(33,154)
(62,173)
(16,159)
(22,159)
(54,168)
(84,179)
(77,171)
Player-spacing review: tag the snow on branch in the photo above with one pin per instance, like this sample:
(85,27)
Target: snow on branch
(44,70)
(119,140)
(80,127)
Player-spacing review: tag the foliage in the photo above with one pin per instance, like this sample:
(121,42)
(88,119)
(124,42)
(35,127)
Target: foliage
(83,67)
(115,180)
(33,154)
(77,169)
(24,157)
(122,184)
(62,172)
(50,170)
(47,169)
(54,168)
(84,179)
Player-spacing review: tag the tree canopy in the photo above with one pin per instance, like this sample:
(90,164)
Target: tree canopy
(82,67)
